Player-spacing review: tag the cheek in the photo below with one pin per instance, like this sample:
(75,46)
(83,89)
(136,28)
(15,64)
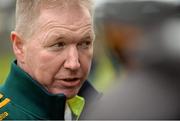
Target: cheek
(31,59)
(85,60)
(49,62)
(47,66)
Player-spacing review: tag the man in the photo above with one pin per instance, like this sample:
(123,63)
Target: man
(145,37)
(53,45)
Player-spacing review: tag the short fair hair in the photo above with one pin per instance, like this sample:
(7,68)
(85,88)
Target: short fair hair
(27,12)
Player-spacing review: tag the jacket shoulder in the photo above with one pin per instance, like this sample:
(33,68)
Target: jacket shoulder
(9,110)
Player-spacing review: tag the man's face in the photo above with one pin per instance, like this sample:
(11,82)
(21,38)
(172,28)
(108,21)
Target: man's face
(59,54)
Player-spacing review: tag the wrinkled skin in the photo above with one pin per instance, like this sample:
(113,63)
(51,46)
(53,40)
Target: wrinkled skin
(59,54)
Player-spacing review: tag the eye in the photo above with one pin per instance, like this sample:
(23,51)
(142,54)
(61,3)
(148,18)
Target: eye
(59,45)
(85,44)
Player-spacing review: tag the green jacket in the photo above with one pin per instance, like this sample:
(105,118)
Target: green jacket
(30,101)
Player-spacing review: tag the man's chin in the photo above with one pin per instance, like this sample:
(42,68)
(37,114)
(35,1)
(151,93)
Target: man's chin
(69,93)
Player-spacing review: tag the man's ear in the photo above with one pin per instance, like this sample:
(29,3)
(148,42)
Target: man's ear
(18,46)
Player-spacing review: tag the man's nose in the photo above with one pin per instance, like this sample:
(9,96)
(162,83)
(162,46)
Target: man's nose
(72,59)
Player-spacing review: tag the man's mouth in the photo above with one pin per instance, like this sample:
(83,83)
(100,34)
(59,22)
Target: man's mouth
(70,82)
(70,79)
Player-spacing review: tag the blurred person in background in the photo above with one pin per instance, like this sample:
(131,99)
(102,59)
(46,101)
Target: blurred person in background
(53,45)
(145,36)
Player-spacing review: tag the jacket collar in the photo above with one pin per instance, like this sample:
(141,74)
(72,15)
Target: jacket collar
(30,96)
(36,100)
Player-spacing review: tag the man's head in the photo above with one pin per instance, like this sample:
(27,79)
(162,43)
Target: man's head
(27,12)
(53,42)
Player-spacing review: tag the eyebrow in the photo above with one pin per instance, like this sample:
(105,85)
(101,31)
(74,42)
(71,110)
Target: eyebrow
(53,39)
(90,35)
(62,36)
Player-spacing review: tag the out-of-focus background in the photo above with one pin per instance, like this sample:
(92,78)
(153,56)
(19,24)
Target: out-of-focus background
(7,20)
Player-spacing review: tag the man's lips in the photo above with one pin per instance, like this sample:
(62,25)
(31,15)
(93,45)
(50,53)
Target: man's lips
(69,82)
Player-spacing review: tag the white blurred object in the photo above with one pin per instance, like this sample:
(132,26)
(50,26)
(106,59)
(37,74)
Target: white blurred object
(100,2)
(171,34)
(6,3)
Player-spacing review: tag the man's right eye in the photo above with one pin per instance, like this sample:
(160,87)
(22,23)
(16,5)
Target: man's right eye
(59,45)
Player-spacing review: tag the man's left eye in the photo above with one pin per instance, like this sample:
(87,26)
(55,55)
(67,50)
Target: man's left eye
(85,44)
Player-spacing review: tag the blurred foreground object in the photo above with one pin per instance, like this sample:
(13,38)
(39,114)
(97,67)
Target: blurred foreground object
(145,36)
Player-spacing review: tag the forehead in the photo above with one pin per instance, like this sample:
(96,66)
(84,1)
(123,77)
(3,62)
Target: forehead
(72,16)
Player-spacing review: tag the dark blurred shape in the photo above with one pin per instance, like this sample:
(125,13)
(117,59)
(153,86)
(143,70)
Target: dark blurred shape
(125,22)
(145,36)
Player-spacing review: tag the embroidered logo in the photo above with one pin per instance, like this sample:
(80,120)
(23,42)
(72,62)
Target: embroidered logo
(3,115)
(2,104)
